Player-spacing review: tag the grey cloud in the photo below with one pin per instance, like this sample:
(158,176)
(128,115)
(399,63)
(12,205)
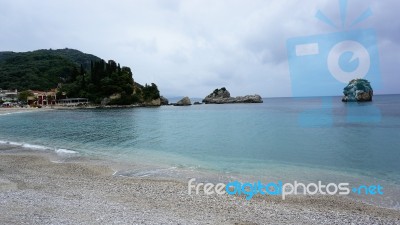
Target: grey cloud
(191,47)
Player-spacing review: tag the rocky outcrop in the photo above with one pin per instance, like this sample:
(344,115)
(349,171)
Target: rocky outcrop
(164,101)
(105,101)
(154,102)
(358,90)
(219,93)
(222,96)
(184,102)
(108,100)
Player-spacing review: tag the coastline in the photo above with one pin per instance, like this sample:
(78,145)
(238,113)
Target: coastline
(7,111)
(37,188)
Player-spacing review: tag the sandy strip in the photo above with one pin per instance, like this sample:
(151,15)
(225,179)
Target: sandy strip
(34,190)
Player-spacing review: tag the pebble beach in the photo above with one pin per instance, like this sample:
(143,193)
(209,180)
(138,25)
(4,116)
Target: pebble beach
(37,189)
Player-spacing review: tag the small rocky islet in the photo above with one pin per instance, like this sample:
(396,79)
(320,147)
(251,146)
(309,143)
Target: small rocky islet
(358,90)
(222,96)
(184,102)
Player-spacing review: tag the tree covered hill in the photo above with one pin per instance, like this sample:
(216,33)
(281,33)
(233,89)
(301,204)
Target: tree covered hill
(77,57)
(80,75)
(41,69)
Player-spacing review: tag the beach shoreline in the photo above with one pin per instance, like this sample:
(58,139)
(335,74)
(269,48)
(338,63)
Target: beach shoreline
(35,187)
(7,111)
(12,110)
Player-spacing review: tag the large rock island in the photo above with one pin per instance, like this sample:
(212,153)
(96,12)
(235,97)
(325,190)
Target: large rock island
(222,96)
(358,90)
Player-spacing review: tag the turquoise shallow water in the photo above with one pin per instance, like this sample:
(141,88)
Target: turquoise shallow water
(284,138)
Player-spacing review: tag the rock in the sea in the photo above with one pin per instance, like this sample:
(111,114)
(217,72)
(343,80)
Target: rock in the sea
(164,101)
(197,103)
(358,90)
(222,96)
(184,102)
(220,93)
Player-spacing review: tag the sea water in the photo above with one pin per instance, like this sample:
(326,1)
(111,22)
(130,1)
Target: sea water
(303,139)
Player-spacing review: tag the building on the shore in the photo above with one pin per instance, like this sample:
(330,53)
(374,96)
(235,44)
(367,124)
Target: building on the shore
(43,98)
(9,98)
(8,95)
(69,102)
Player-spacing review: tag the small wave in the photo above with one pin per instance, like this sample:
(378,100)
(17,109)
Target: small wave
(61,151)
(14,143)
(4,114)
(25,145)
(18,111)
(65,151)
(35,147)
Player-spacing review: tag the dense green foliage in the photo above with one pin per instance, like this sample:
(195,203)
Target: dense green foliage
(78,57)
(150,92)
(80,75)
(105,79)
(33,71)
(41,69)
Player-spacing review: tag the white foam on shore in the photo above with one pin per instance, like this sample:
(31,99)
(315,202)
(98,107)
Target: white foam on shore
(14,143)
(35,147)
(65,151)
(4,114)
(15,112)
(60,151)
(6,111)
(25,145)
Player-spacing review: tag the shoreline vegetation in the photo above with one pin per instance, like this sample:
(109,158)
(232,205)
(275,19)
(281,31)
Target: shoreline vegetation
(48,77)
(44,77)
(36,187)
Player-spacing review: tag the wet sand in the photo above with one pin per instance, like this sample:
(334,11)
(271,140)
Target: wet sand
(35,190)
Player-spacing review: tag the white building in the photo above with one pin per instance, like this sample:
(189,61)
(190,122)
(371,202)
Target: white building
(8,95)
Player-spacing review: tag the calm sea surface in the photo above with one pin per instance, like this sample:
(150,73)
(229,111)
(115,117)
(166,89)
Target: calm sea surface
(304,139)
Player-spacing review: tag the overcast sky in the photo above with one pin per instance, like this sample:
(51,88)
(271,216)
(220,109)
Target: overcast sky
(191,47)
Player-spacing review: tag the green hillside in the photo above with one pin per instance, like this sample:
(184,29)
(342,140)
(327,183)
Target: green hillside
(41,69)
(80,75)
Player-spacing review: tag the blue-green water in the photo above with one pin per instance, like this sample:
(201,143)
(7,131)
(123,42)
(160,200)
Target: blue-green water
(283,138)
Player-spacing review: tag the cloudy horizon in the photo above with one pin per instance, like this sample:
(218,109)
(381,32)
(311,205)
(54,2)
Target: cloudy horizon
(189,48)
